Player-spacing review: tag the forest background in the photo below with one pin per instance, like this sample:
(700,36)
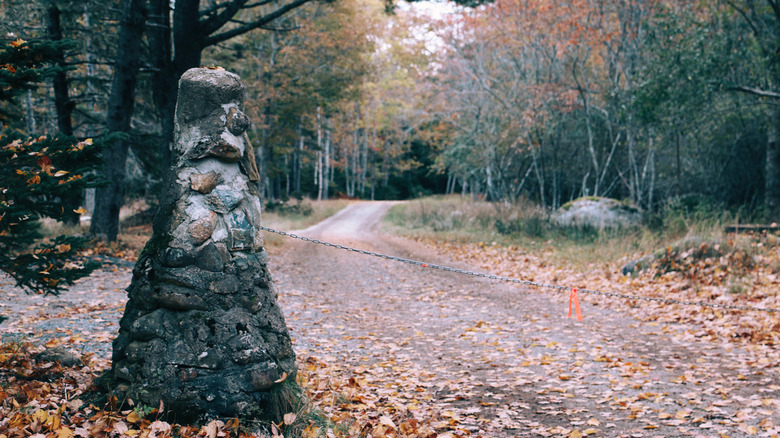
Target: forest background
(654,102)
(669,105)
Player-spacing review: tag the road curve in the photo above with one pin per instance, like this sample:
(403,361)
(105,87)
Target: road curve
(503,360)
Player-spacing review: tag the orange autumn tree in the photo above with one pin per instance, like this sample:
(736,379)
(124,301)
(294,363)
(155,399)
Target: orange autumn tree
(531,87)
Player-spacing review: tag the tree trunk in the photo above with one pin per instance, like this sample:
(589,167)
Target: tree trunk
(108,199)
(326,178)
(297,166)
(164,80)
(29,118)
(772,179)
(62,103)
(320,179)
(187,48)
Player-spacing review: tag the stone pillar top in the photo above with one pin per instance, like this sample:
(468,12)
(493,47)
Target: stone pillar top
(209,116)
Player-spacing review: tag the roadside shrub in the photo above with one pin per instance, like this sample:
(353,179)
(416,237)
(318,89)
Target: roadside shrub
(289,208)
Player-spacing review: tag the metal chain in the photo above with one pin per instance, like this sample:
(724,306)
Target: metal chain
(516,280)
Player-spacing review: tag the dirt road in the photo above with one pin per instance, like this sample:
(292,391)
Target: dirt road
(490,359)
(467,356)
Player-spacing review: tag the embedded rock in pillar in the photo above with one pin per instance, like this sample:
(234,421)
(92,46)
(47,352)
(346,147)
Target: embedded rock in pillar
(202,331)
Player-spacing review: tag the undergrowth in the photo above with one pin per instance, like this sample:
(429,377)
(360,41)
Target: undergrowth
(528,226)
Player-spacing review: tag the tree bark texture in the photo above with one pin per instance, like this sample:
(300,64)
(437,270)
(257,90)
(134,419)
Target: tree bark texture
(62,102)
(108,199)
(159,34)
(772,181)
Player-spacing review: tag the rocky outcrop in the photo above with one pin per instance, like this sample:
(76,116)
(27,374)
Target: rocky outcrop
(202,331)
(597,212)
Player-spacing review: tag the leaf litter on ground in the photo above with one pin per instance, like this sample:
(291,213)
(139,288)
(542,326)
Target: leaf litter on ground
(727,386)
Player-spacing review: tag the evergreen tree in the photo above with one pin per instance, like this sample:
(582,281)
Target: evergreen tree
(38,174)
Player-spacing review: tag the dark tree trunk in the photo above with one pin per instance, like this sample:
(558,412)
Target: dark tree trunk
(62,103)
(164,79)
(108,200)
(187,47)
(772,180)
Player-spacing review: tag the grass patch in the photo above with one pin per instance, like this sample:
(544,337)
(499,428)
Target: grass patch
(297,215)
(525,225)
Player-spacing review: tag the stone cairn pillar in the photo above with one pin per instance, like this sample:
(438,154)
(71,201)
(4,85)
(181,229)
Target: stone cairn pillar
(202,330)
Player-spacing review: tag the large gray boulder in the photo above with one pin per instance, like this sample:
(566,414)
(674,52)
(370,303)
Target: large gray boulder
(202,331)
(598,212)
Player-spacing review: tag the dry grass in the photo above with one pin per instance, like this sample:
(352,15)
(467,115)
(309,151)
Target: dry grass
(299,215)
(455,219)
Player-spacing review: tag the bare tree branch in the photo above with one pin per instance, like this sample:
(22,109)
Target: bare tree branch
(745,16)
(259,23)
(216,21)
(775,7)
(755,91)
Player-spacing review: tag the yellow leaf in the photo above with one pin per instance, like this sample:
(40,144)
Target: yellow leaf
(53,342)
(80,210)
(40,416)
(18,42)
(61,173)
(752,430)
(575,434)
(133,417)
(64,432)
(63,248)
(681,414)
(590,431)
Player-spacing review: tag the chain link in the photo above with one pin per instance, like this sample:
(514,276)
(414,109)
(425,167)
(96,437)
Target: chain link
(516,280)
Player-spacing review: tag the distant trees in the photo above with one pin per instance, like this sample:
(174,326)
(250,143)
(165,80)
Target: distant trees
(332,88)
(630,99)
(334,94)
(763,22)
(642,100)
